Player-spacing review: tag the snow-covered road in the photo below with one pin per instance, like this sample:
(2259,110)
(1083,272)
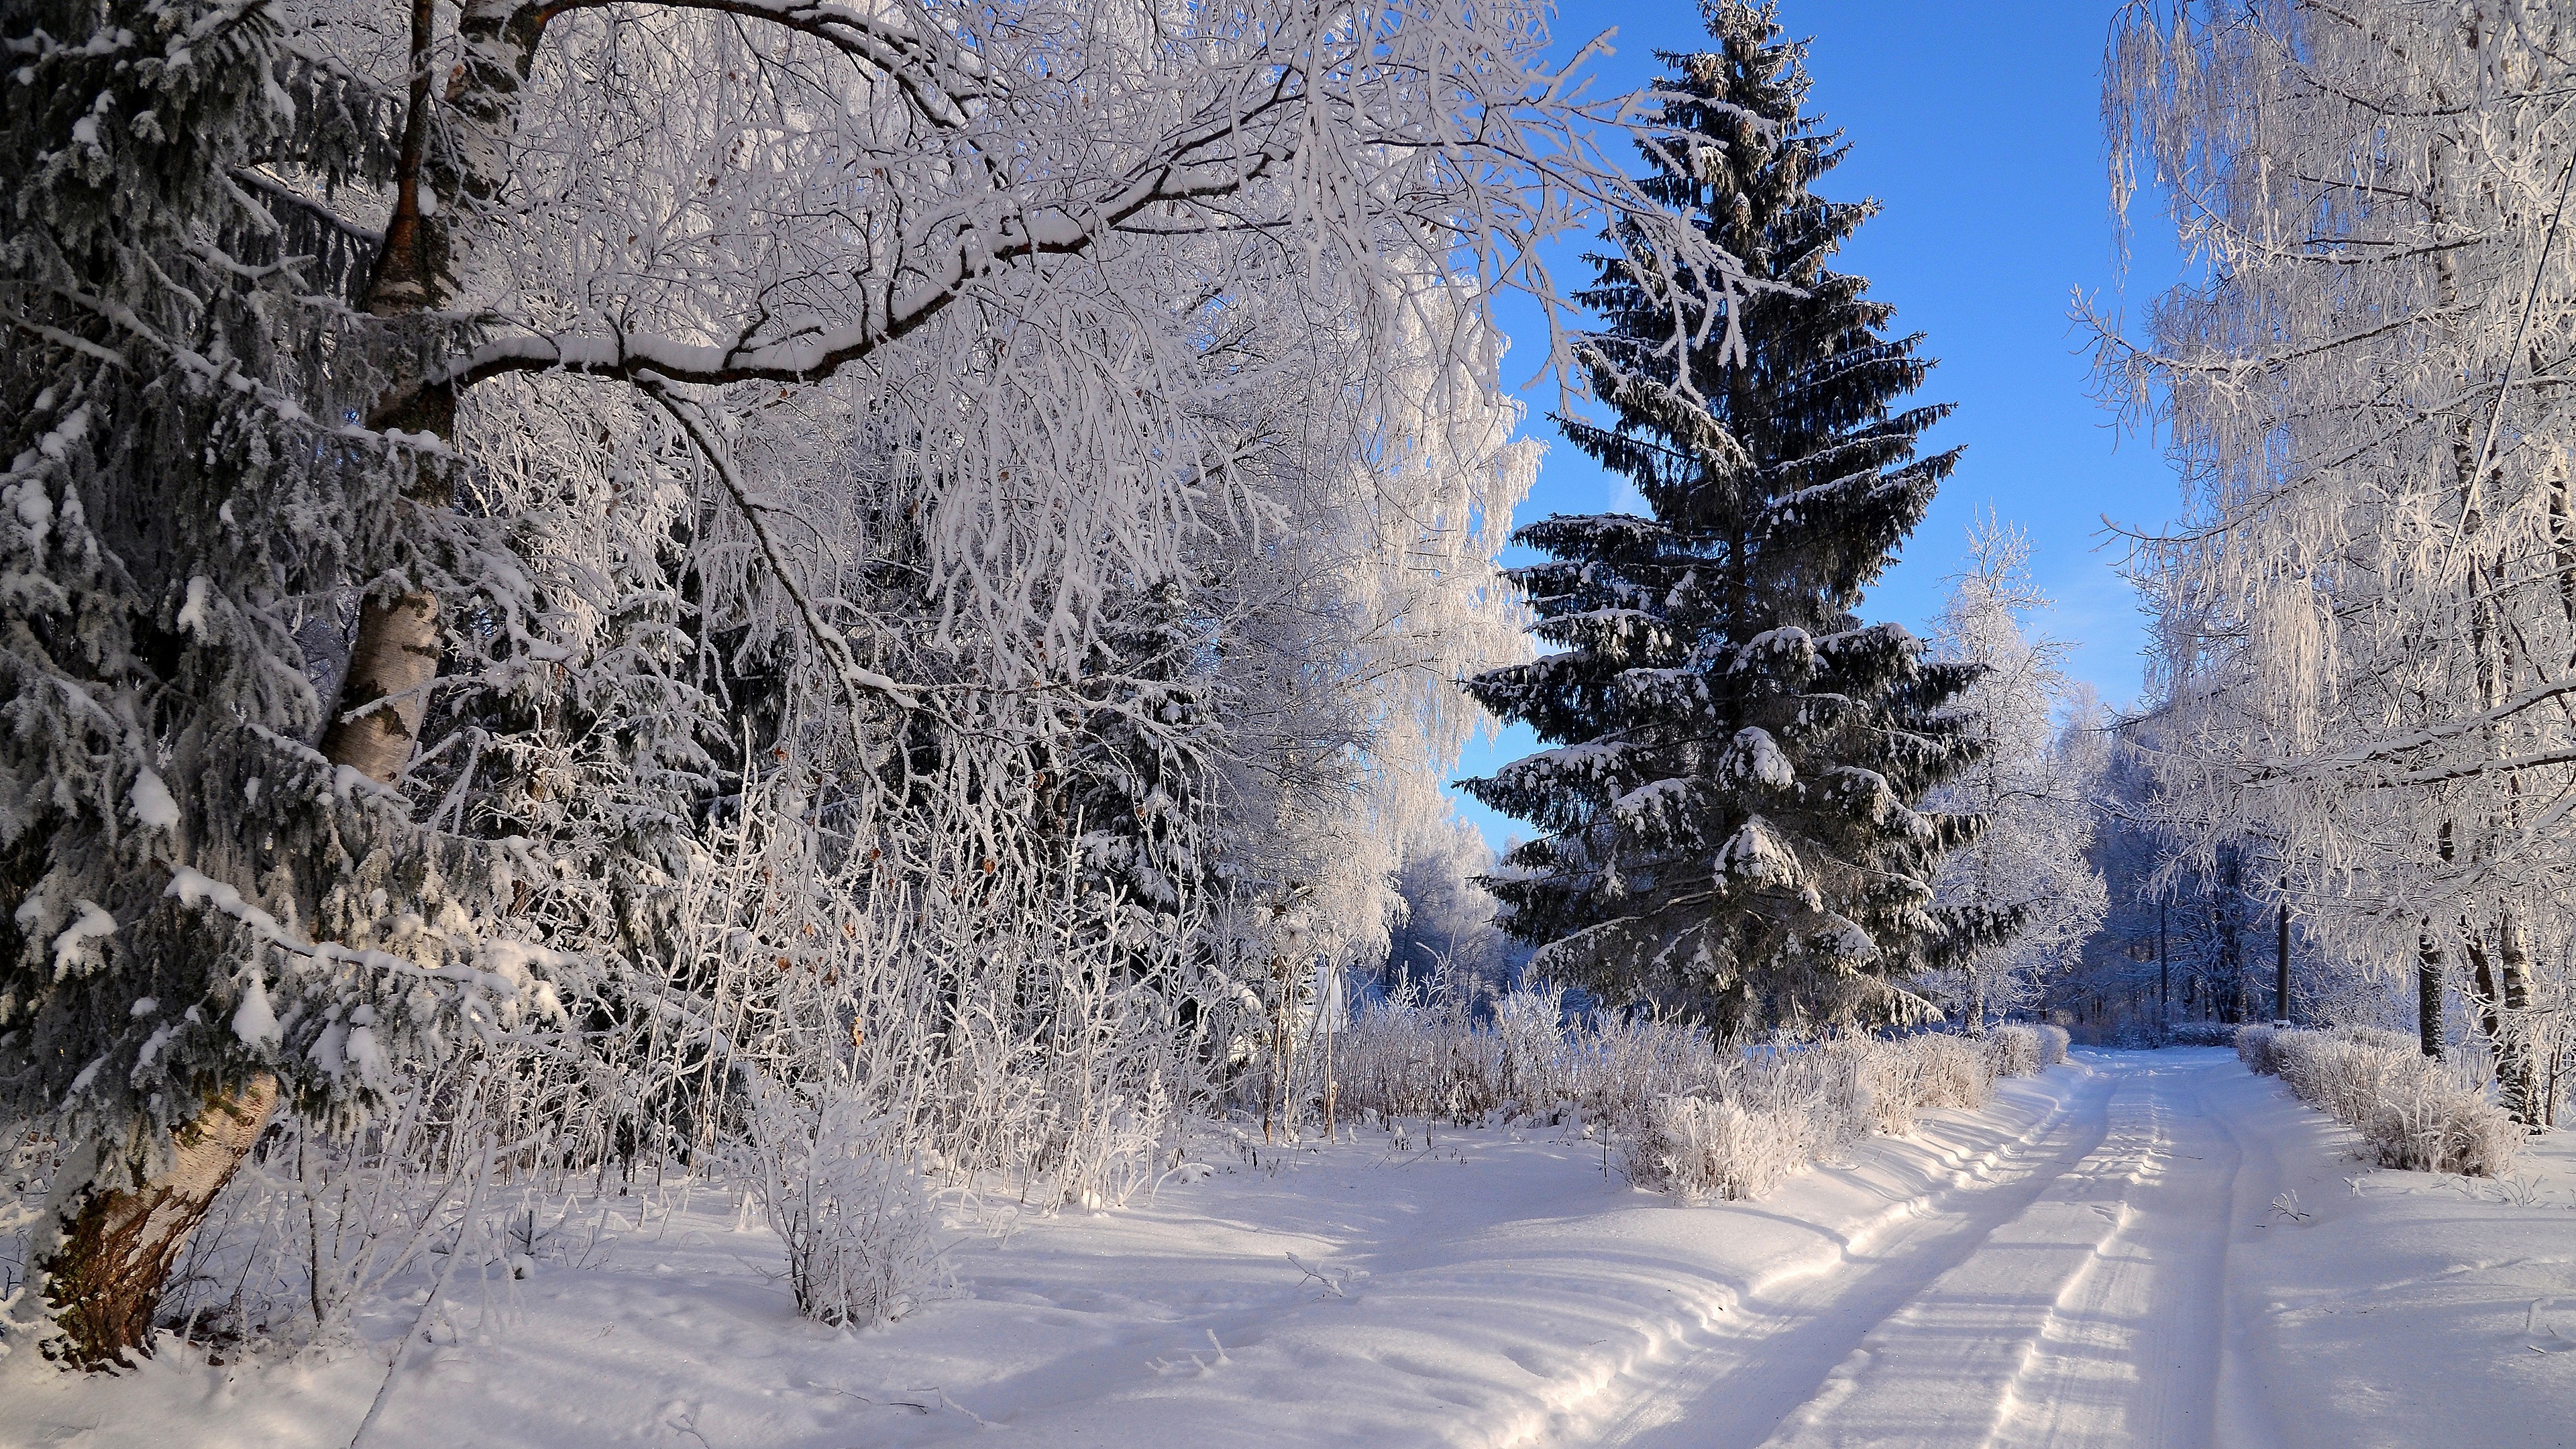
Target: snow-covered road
(2071,1299)
(2140,1249)
(2140,1270)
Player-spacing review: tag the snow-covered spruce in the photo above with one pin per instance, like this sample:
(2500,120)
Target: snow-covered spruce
(1733,811)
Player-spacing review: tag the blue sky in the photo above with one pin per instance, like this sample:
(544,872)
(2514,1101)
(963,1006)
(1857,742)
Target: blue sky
(1977,126)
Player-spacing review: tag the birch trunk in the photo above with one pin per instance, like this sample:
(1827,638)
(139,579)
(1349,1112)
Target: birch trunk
(2517,1072)
(118,1242)
(104,1278)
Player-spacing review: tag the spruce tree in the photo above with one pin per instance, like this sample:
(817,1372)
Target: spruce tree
(1731,810)
(1132,787)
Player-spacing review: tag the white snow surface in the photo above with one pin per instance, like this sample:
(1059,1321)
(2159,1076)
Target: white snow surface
(2096,1259)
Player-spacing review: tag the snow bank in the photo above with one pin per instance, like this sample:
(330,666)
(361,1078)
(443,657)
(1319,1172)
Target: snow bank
(2371,1307)
(2411,1110)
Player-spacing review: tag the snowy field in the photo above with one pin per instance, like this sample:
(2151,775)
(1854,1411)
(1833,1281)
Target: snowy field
(2137,1249)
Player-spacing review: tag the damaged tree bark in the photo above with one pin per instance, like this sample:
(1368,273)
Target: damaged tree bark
(105,1277)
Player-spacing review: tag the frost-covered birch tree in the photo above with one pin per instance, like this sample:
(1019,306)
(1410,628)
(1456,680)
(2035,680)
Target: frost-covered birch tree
(2366,621)
(461,458)
(2026,880)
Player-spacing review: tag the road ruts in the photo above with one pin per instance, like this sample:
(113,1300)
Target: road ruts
(2076,1302)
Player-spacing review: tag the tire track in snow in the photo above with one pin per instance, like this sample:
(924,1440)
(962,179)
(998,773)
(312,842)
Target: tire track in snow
(2128,1352)
(1792,1328)
(2082,1307)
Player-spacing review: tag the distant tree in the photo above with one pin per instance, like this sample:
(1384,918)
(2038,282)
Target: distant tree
(1448,921)
(1733,814)
(2026,880)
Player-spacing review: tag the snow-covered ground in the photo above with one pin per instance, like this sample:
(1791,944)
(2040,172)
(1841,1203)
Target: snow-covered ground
(2110,1254)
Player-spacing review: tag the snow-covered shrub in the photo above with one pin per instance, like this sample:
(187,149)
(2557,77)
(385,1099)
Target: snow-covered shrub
(2201,1034)
(1531,1045)
(1624,1062)
(1773,1111)
(1947,1070)
(2383,1039)
(1727,1150)
(1870,1086)
(1424,1050)
(2414,1112)
(2344,1078)
(2013,1050)
(2254,1048)
(1419,1052)
(2053,1042)
(2429,1121)
(855,1217)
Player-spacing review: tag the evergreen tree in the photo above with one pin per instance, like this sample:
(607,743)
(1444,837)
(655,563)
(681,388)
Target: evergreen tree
(1132,783)
(1731,813)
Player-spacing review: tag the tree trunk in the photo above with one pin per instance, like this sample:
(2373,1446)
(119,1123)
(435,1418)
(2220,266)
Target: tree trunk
(2428,992)
(118,1243)
(391,666)
(2517,1073)
(2501,983)
(104,1279)
(2281,961)
(2164,973)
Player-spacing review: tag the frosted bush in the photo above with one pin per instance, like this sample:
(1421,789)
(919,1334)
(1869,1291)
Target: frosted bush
(1775,1112)
(1703,1149)
(855,1218)
(2013,1050)
(2412,1111)
(1949,1071)
(2429,1121)
(2383,1039)
(2345,1079)
(2254,1048)
(1531,1046)
(1870,1086)
(1691,1115)
(2053,1042)
(1424,1051)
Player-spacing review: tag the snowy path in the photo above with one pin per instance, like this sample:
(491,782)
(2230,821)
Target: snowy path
(2074,1302)
(2092,1260)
